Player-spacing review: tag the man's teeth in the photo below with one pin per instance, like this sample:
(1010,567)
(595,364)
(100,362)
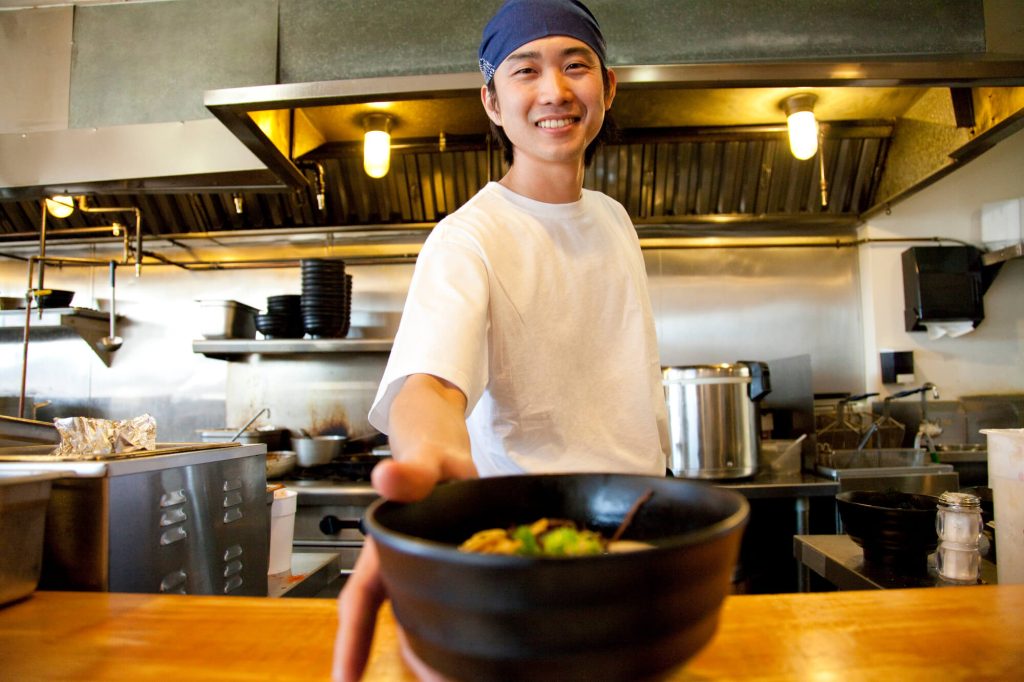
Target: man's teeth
(561,123)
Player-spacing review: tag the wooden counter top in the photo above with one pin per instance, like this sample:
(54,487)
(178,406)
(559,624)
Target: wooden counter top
(951,633)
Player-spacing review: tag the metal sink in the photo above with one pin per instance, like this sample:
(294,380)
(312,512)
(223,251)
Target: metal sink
(875,458)
(878,462)
(962,452)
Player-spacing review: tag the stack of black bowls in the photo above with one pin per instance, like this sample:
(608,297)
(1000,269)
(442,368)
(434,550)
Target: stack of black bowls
(325,298)
(283,319)
(347,311)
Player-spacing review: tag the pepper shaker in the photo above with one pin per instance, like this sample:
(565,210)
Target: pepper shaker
(958,524)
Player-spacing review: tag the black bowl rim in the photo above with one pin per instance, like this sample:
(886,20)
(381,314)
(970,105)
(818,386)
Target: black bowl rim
(847,498)
(413,545)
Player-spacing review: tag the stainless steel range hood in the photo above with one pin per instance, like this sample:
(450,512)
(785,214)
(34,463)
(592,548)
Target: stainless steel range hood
(283,123)
(702,146)
(702,149)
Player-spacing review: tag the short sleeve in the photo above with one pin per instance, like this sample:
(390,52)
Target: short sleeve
(444,325)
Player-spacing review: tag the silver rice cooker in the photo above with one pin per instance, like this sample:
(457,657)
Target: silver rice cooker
(714,418)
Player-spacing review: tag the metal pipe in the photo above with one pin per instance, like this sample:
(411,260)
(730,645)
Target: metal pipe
(24,339)
(85,208)
(85,230)
(32,260)
(821,166)
(42,245)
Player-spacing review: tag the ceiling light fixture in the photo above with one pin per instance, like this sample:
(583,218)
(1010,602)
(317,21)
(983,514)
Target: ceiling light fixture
(377,145)
(60,206)
(802,125)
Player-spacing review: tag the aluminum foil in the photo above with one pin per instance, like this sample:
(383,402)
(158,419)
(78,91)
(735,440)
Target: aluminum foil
(87,437)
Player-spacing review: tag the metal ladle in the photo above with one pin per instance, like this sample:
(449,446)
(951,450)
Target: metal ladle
(259,414)
(112,342)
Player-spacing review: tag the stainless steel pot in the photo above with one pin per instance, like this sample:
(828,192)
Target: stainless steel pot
(272,437)
(714,418)
(317,450)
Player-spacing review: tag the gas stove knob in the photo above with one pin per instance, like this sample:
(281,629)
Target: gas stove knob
(331,525)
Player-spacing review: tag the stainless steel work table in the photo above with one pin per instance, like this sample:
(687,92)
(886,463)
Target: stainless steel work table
(311,574)
(840,561)
(798,486)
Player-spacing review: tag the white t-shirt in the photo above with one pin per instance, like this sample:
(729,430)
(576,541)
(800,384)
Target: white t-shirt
(540,314)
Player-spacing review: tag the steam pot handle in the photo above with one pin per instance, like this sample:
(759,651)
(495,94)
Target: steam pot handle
(760,379)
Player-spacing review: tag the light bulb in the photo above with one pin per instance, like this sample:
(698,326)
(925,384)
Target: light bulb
(803,134)
(377,145)
(60,206)
(801,123)
(376,153)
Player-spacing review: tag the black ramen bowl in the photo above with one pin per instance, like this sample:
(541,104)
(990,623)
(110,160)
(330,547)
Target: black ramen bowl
(620,616)
(54,298)
(896,529)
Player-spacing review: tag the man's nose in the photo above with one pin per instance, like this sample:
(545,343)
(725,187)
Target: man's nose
(554,87)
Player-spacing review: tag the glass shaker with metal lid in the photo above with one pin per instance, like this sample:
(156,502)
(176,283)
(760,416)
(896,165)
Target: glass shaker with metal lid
(958,524)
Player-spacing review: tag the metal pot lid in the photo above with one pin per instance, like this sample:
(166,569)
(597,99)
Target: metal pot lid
(964,501)
(737,372)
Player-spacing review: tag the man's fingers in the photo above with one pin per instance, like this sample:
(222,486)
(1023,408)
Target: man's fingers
(357,615)
(411,480)
(404,481)
(458,469)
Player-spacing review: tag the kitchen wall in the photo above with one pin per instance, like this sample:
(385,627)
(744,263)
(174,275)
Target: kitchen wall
(118,88)
(989,360)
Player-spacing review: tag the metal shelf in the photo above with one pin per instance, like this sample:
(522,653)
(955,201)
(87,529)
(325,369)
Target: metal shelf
(225,349)
(90,325)
(1004,254)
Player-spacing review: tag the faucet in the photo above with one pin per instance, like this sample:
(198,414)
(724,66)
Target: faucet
(867,435)
(927,429)
(38,406)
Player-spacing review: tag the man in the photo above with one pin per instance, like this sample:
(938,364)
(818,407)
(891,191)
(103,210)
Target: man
(527,343)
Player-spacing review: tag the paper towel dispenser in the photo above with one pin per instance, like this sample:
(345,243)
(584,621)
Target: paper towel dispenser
(943,284)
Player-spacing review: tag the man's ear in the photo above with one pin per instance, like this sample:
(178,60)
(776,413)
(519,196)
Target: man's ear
(490,105)
(610,94)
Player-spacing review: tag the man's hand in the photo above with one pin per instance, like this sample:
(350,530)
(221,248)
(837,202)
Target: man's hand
(430,444)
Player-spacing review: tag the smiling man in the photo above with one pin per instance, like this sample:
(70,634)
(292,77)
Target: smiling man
(527,342)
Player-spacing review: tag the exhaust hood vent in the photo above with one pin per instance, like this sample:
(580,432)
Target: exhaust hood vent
(694,186)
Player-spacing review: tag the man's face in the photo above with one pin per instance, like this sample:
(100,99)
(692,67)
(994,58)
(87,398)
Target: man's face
(550,99)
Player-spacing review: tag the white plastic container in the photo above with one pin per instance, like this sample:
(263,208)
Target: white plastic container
(1002,223)
(1006,478)
(282,530)
(782,456)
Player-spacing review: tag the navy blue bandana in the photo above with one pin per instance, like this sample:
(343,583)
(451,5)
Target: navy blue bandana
(521,21)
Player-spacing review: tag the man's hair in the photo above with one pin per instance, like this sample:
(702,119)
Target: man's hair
(609,130)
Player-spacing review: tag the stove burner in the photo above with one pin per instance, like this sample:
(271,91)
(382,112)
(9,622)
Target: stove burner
(354,467)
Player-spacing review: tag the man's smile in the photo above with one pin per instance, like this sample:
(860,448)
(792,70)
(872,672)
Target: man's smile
(556,122)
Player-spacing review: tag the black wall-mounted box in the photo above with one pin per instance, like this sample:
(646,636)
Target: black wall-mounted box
(897,366)
(942,284)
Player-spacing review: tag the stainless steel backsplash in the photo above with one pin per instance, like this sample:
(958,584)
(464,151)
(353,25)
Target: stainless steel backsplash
(711,305)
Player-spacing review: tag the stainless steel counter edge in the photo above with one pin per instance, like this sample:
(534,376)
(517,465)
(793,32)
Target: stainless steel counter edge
(764,485)
(768,485)
(135,465)
(318,493)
